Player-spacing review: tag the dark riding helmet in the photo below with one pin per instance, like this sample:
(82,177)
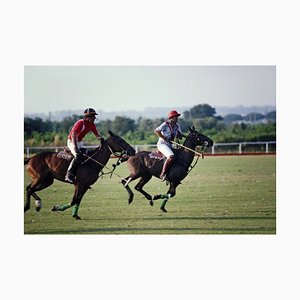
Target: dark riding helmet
(89,112)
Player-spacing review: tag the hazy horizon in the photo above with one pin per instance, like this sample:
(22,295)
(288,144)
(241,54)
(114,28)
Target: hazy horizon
(122,88)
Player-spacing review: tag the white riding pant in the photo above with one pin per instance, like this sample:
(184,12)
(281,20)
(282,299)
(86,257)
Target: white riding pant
(165,149)
(71,146)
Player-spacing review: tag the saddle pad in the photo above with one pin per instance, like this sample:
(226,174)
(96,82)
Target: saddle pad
(156,155)
(65,155)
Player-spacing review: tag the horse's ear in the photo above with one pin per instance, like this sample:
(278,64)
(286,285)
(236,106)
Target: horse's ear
(110,133)
(191,129)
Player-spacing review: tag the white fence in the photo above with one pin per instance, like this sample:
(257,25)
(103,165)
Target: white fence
(246,147)
(219,148)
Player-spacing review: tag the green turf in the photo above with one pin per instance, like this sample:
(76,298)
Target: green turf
(222,195)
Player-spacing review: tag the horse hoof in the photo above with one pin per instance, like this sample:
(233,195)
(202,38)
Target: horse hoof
(130,200)
(163,209)
(151,203)
(54,208)
(76,217)
(38,205)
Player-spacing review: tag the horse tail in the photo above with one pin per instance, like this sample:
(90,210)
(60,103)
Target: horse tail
(26,160)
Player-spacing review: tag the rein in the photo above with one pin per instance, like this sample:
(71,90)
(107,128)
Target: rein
(104,166)
(102,173)
(198,153)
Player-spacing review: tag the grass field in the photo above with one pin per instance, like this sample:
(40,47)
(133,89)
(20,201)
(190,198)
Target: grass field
(222,195)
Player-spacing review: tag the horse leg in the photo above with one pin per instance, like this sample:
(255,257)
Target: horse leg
(33,187)
(125,182)
(38,201)
(30,192)
(28,195)
(141,183)
(171,193)
(79,192)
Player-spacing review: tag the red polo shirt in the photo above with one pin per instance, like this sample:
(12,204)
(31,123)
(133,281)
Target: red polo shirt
(81,128)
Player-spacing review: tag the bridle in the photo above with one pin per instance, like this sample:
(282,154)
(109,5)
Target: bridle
(121,158)
(121,155)
(194,136)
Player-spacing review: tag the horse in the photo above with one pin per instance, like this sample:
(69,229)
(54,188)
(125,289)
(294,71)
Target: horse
(146,164)
(46,166)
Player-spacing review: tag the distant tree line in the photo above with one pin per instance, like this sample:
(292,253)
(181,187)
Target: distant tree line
(231,128)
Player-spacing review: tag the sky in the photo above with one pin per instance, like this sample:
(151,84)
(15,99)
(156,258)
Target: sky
(119,88)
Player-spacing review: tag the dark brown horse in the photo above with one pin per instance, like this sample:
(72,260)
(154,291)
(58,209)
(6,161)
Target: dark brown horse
(47,166)
(143,165)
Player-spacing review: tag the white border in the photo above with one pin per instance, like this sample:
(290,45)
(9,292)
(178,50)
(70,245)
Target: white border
(156,32)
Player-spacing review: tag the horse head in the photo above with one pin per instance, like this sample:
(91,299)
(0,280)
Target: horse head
(117,144)
(199,139)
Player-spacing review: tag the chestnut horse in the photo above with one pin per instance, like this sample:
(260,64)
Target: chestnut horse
(145,164)
(44,167)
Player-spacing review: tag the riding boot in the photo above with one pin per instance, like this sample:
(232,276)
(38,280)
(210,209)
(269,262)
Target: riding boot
(165,168)
(70,176)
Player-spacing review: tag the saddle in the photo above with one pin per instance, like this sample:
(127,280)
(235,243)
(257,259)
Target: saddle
(65,154)
(157,155)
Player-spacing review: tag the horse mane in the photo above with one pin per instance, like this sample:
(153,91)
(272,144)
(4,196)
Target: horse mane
(188,139)
(93,151)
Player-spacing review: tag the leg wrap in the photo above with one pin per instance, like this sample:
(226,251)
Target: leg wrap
(162,196)
(75,210)
(64,207)
(155,197)
(165,196)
